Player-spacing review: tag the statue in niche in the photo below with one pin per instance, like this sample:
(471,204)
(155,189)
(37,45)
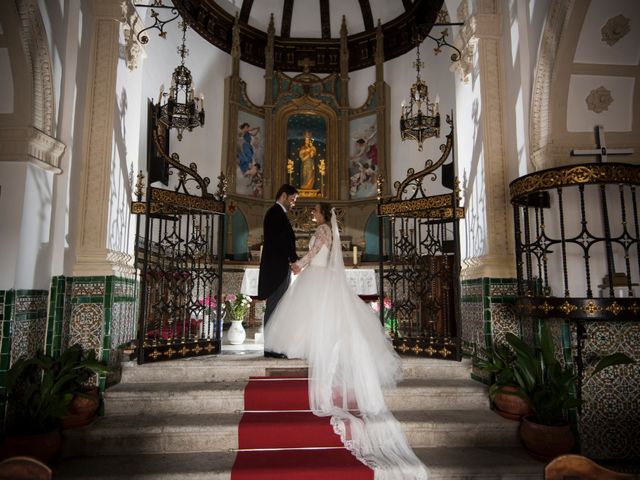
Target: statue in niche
(307,154)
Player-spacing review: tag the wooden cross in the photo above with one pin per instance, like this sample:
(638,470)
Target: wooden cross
(602,150)
(306,63)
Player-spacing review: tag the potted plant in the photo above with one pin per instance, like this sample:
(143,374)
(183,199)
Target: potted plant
(549,388)
(79,366)
(39,393)
(237,307)
(504,391)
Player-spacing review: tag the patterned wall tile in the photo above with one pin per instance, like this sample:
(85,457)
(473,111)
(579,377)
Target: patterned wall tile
(503,320)
(123,323)
(503,290)
(88,286)
(27,337)
(471,290)
(610,417)
(472,322)
(28,323)
(86,325)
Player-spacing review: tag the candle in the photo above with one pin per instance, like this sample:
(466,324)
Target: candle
(261,251)
(355,254)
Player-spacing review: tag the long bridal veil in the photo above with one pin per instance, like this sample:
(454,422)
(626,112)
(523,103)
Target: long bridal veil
(351,360)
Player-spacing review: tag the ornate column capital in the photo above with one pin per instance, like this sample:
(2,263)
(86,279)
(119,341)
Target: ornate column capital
(28,144)
(131,26)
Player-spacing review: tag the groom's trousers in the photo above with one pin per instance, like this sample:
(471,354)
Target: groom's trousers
(274,298)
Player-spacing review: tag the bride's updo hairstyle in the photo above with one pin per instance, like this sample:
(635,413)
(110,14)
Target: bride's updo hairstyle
(325,209)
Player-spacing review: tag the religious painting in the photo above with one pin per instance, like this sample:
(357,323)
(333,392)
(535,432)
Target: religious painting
(363,157)
(249,155)
(306,153)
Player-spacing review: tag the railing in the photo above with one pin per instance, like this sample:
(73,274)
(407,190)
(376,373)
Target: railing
(577,248)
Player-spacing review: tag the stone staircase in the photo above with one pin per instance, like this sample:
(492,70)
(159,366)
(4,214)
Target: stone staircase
(178,420)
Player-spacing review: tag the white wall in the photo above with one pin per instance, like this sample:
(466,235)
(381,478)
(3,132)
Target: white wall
(209,67)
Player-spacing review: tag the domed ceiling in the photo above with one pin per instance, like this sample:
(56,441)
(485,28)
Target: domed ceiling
(310,29)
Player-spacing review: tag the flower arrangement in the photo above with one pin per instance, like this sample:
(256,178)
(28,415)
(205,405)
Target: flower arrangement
(237,305)
(390,320)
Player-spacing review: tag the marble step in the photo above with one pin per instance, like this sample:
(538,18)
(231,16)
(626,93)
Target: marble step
(174,433)
(211,397)
(444,463)
(230,368)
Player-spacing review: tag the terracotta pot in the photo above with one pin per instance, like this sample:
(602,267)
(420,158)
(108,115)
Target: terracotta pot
(82,410)
(43,446)
(511,406)
(544,442)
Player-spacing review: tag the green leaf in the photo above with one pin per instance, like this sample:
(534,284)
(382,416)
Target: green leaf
(611,360)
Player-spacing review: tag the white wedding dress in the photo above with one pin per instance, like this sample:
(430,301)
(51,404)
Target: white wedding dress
(350,358)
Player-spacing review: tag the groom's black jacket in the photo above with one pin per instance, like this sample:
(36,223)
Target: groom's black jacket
(278,250)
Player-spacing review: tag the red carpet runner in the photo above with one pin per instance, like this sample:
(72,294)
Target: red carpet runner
(280,439)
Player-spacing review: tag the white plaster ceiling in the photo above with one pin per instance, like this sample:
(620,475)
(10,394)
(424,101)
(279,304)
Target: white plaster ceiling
(617,117)
(597,64)
(305,18)
(592,49)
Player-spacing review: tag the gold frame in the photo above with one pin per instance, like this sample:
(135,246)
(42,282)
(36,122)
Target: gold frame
(310,106)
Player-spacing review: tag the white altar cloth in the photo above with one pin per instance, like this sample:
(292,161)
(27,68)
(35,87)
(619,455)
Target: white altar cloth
(362,281)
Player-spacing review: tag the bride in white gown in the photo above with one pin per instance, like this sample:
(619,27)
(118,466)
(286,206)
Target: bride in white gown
(350,357)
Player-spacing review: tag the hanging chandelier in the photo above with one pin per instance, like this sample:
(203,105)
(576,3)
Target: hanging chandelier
(181,108)
(420,119)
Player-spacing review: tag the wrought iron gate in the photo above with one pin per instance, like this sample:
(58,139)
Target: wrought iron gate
(179,254)
(421,276)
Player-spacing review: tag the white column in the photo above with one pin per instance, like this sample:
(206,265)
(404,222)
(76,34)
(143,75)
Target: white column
(92,255)
(484,33)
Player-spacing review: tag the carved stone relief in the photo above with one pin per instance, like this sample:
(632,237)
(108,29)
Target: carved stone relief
(615,28)
(132,24)
(599,100)
(541,121)
(34,40)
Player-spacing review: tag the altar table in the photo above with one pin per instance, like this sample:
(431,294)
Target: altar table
(362,281)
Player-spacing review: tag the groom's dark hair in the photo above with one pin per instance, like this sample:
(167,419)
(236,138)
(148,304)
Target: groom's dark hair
(286,188)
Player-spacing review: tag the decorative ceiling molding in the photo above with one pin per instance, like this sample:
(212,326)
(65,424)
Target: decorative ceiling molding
(287,13)
(599,100)
(367,16)
(540,125)
(36,50)
(214,24)
(325,19)
(615,28)
(245,10)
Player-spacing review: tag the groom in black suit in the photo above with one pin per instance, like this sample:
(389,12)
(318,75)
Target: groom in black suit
(278,252)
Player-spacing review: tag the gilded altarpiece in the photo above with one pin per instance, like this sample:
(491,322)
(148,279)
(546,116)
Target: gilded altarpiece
(306,137)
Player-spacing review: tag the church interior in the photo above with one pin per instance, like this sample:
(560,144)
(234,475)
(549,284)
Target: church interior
(483,160)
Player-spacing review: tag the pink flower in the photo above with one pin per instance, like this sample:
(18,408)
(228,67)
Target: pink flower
(387,303)
(231,297)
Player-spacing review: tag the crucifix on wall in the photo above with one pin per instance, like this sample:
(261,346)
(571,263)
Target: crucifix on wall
(602,153)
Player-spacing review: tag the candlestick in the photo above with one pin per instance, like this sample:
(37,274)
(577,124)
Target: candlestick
(355,254)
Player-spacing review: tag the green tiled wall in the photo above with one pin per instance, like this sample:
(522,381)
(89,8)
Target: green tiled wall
(486,315)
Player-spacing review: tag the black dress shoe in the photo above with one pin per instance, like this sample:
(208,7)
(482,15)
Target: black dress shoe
(274,354)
